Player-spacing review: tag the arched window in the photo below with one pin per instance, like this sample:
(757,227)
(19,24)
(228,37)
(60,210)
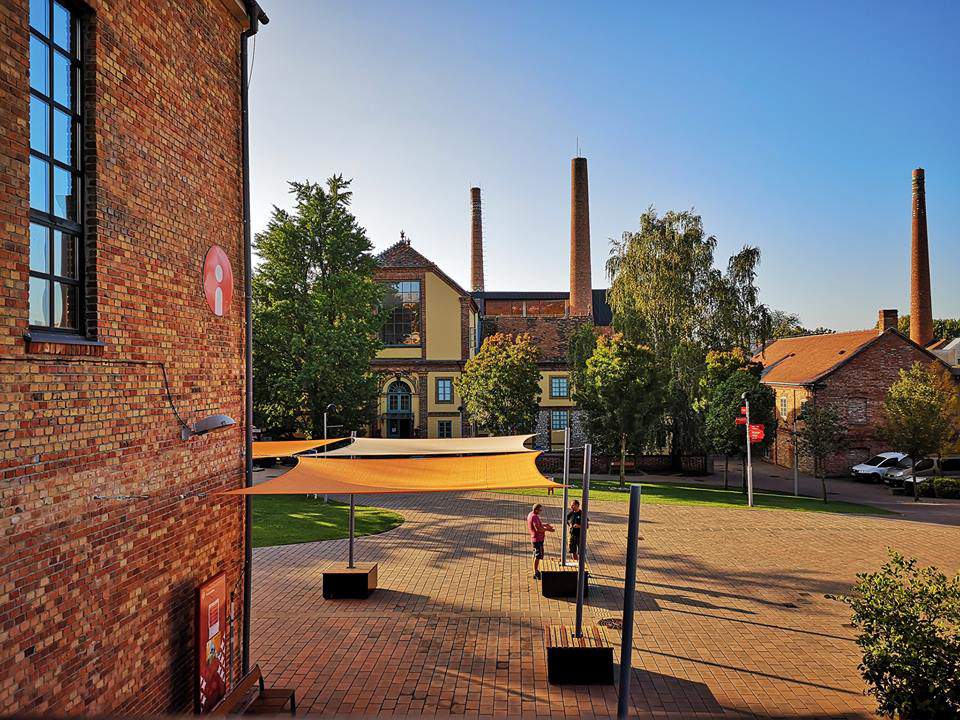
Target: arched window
(398,397)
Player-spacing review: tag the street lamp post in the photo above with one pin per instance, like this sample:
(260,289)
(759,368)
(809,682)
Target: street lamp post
(746,403)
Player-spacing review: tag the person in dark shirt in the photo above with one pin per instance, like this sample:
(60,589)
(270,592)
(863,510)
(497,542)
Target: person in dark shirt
(574,519)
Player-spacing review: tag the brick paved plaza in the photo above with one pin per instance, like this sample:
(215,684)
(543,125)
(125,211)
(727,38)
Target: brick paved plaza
(731,616)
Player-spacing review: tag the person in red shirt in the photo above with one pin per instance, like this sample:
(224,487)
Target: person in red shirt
(538,532)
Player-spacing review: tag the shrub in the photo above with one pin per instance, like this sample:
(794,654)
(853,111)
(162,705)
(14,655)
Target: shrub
(944,487)
(908,622)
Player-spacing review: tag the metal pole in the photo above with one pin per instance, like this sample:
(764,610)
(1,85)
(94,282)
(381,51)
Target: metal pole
(566,481)
(629,599)
(749,461)
(584,523)
(350,551)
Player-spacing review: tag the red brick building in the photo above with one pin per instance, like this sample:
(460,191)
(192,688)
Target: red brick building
(851,371)
(121,164)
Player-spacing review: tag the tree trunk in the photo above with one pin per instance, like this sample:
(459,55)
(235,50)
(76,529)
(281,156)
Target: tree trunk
(823,479)
(726,471)
(623,458)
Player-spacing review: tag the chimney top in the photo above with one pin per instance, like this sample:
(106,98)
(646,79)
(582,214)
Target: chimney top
(581,286)
(476,241)
(887,320)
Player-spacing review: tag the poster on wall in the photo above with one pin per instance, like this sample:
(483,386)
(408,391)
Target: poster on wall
(211,632)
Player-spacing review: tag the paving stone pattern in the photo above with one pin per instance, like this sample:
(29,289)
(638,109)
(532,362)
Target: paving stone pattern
(731,616)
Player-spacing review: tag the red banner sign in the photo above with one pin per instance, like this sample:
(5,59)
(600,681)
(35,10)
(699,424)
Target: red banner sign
(741,421)
(211,632)
(756,433)
(743,410)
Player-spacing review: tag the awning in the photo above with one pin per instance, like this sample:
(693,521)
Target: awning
(371,447)
(404,475)
(288,448)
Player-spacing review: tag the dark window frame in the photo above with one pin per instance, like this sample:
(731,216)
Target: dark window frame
(449,425)
(48,218)
(436,390)
(394,327)
(566,422)
(399,396)
(566,381)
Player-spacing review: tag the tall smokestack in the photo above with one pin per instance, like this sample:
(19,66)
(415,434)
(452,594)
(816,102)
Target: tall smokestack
(476,242)
(581,284)
(921,313)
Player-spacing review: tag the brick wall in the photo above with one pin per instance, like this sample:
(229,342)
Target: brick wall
(550,334)
(96,596)
(857,390)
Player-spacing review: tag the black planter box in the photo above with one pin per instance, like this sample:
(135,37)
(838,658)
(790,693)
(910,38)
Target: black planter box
(342,582)
(558,581)
(587,660)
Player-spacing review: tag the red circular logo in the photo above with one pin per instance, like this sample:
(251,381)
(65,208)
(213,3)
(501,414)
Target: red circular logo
(217,280)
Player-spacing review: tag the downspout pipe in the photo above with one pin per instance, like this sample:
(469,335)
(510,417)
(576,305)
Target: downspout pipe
(257,16)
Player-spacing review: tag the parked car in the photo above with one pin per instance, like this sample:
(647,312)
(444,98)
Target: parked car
(876,468)
(902,476)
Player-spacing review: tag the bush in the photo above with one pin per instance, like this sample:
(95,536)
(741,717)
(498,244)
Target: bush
(908,620)
(944,487)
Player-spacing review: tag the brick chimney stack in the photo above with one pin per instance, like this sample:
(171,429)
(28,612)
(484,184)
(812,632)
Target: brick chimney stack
(887,321)
(476,242)
(921,313)
(581,284)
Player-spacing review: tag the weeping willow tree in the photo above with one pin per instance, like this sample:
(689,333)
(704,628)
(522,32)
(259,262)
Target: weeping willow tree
(666,293)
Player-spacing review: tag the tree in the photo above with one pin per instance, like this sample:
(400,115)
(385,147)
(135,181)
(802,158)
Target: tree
(728,376)
(921,413)
(666,293)
(943,328)
(908,623)
(784,324)
(315,325)
(620,396)
(821,432)
(500,385)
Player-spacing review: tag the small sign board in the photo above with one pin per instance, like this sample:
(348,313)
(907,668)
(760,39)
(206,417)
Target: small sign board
(741,421)
(743,410)
(756,433)
(211,631)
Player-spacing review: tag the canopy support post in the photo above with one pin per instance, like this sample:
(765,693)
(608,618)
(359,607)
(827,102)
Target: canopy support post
(629,599)
(584,524)
(350,548)
(566,481)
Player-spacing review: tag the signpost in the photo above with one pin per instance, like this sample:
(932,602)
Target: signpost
(745,411)
(629,597)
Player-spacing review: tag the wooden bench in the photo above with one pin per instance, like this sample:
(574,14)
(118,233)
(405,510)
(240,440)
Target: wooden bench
(250,697)
(341,581)
(558,581)
(585,660)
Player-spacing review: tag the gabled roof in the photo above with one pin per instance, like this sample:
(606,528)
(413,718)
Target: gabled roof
(402,255)
(805,359)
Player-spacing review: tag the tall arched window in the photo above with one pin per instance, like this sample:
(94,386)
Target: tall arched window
(398,397)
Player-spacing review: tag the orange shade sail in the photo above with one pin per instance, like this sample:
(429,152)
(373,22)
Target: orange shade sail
(336,476)
(288,448)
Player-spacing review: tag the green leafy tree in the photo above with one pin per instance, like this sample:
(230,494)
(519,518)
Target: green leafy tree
(821,433)
(943,328)
(666,293)
(315,325)
(500,385)
(728,376)
(921,413)
(908,623)
(784,324)
(620,396)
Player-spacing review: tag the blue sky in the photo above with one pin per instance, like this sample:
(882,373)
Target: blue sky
(793,127)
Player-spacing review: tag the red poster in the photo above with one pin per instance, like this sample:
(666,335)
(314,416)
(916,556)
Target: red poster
(211,632)
(756,433)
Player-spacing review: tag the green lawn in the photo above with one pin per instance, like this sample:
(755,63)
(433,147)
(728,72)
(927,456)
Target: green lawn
(678,494)
(288,519)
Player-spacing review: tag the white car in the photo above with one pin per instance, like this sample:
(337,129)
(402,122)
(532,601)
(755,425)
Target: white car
(876,468)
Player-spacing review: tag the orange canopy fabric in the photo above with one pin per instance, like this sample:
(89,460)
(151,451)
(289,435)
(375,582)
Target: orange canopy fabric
(371,447)
(288,448)
(404,475)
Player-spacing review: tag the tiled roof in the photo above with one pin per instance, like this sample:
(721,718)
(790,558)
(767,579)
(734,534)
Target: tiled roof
(803,359)
(402,255)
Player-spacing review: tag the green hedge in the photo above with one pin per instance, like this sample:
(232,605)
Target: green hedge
(944,487)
